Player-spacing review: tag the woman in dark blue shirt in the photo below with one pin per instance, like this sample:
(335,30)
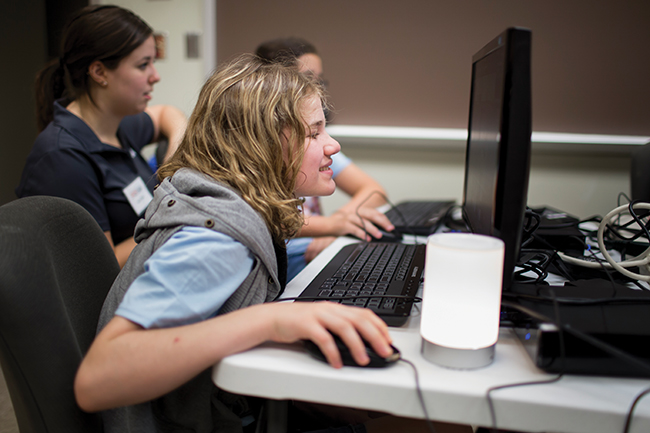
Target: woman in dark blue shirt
(94,121)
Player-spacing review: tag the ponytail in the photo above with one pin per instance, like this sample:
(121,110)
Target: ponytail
(49,86)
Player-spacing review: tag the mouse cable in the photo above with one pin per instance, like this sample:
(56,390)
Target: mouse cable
(418,389)
(628,418)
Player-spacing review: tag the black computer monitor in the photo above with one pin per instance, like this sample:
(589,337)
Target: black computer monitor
(497,160)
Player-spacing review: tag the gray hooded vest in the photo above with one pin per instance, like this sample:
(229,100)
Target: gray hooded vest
(193,199)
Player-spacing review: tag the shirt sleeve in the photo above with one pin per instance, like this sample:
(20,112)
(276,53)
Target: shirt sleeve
(136,130)
(339,162)
(187,279)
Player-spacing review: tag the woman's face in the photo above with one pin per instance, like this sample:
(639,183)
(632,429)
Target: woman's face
(315,177)
(311,63)
(131,83)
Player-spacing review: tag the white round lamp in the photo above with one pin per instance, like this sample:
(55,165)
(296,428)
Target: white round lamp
(461,299)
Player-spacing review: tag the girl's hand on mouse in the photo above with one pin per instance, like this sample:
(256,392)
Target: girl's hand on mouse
(316,321)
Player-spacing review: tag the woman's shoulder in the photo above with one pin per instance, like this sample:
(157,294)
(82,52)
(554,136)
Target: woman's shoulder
(137,130)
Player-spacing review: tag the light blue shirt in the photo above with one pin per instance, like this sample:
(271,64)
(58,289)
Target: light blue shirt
(187,279)
(339,162)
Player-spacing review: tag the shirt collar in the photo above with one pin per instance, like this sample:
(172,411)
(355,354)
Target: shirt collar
(79,129)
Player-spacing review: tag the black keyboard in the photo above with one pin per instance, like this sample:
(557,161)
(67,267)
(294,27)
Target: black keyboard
(418,217)
(376,270)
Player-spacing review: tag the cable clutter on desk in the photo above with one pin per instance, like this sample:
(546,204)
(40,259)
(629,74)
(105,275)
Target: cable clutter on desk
(597,322)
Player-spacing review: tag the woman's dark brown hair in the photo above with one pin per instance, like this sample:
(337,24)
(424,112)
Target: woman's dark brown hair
(99,32)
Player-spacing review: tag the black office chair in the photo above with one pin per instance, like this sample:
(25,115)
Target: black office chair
(56,267)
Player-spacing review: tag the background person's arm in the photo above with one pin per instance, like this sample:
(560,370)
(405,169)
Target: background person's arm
(121,250)
(169,122)
(364,191)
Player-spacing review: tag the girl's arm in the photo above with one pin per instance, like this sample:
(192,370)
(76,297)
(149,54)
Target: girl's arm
(127,364)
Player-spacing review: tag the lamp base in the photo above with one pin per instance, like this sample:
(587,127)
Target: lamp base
(460,359)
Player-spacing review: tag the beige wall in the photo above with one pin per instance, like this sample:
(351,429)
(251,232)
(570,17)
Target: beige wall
(584,185)
(181,77)
(366,44)
(408,64)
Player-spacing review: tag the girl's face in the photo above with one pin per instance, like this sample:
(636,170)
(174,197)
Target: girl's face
(131,83)
(315,177)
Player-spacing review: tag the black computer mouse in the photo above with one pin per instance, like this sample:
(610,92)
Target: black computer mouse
(386,236)
(393,236)
(376,361)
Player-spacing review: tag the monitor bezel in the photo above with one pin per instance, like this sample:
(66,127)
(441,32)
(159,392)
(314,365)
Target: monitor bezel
(515,129)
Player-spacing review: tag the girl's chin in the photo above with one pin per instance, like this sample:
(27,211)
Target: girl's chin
(317,192)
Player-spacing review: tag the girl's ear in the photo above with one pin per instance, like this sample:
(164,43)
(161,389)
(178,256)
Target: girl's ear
(97,72)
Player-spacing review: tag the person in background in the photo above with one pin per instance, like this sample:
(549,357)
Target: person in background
(366,194)
(94,120)
(210,256)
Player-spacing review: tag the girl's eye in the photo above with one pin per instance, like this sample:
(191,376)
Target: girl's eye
(314,135)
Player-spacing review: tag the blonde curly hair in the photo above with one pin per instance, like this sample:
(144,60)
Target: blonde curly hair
(247,131)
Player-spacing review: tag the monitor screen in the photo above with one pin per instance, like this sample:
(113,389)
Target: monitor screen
(497,159)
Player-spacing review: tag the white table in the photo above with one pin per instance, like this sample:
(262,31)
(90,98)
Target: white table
(575,404)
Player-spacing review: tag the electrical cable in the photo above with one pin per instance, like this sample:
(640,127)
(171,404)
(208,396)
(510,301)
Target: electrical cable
(607,348)
(630,412)
(531,224)
(556,310)
(537,261)
(512,385)
(642,260)
(418,389)
(611,350)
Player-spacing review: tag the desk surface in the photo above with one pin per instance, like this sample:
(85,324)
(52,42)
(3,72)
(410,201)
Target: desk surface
(574,404)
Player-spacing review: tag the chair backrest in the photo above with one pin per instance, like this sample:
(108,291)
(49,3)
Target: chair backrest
(56,267)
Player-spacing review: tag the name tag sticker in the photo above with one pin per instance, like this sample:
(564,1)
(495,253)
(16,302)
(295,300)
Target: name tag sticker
(138,195)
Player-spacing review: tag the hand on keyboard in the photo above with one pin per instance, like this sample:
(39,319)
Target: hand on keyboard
(364,224)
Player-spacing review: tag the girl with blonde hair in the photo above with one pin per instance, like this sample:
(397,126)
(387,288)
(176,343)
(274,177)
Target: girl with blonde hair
(210,257)
(211,252)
